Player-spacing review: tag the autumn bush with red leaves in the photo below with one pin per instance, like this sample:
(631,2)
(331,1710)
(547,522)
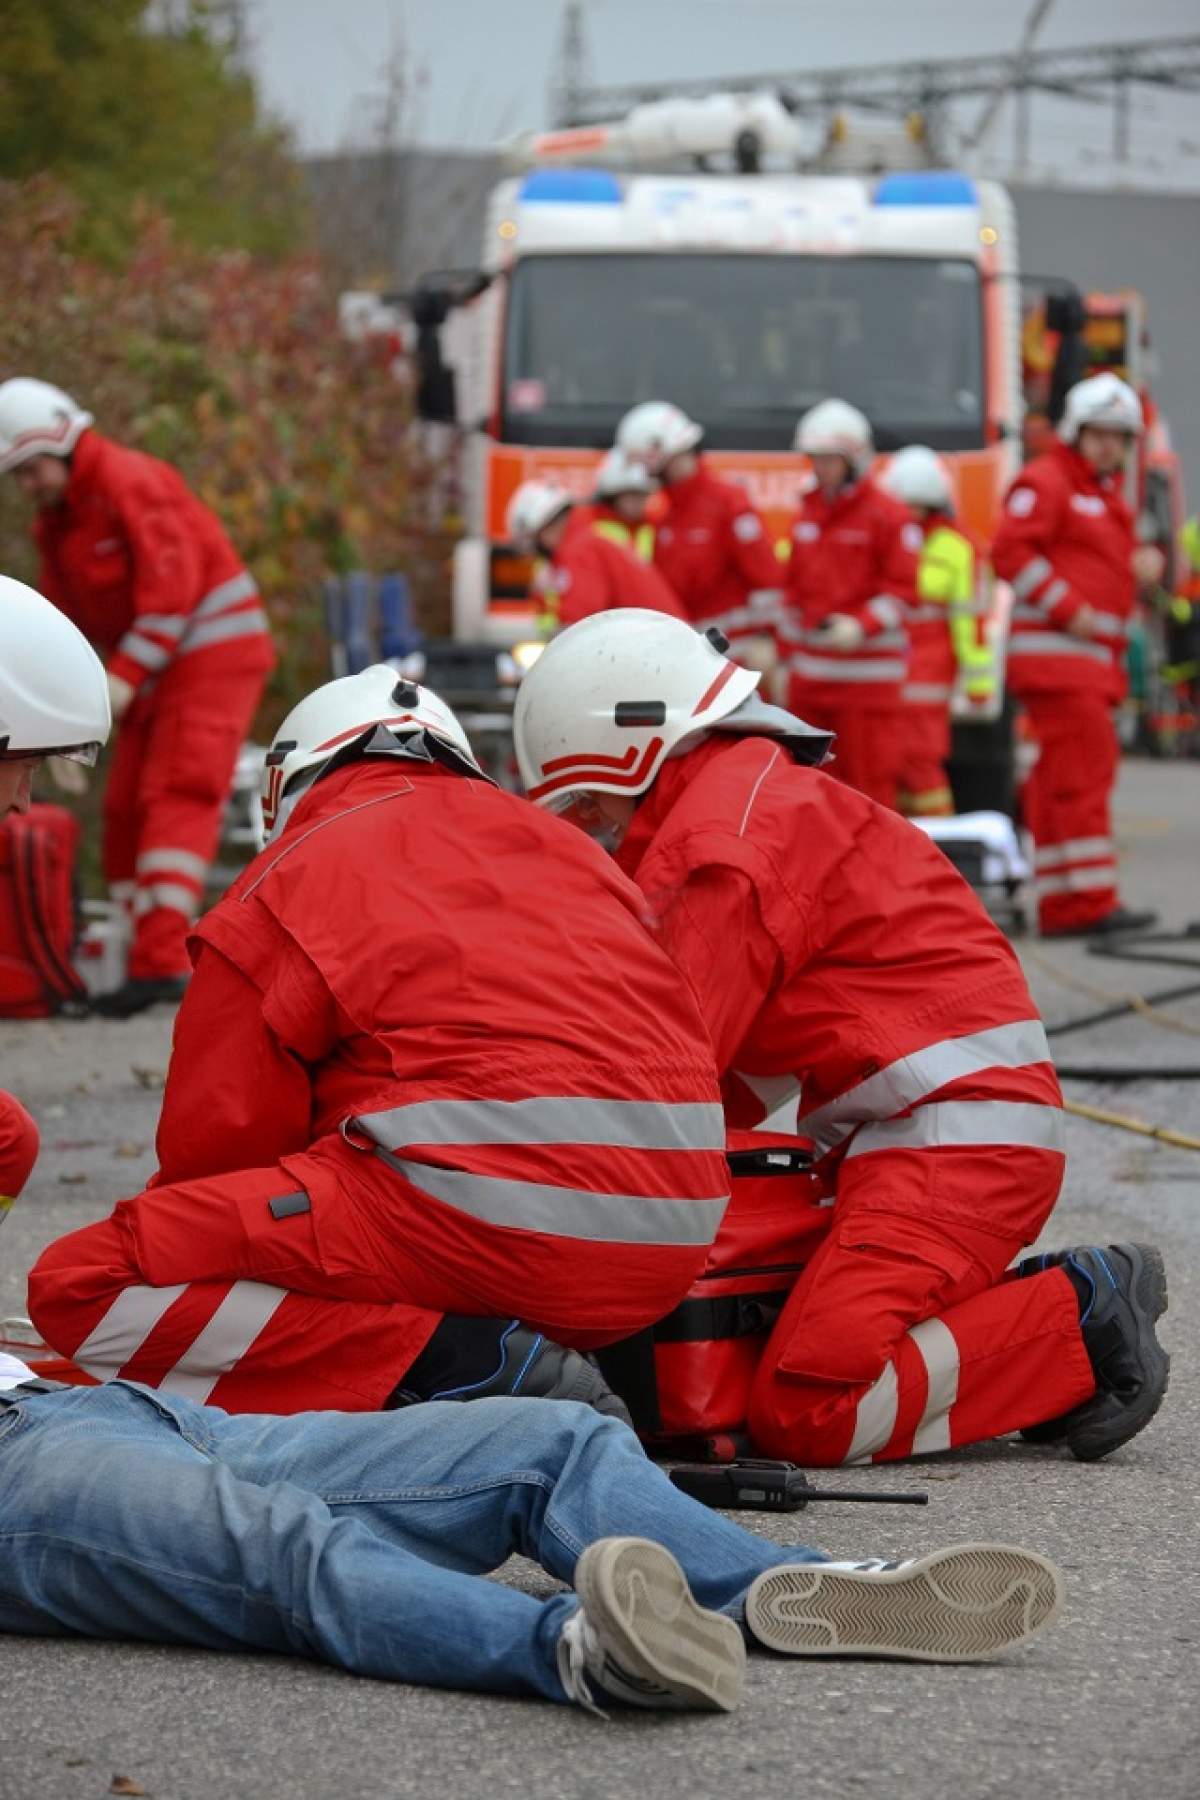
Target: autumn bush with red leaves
(235,371)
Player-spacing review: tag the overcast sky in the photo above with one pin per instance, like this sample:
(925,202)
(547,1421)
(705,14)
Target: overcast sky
(479,70)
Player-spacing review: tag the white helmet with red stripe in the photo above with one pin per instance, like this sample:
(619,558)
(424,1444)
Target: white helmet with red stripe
(333,719)
(37,419)
(612,697)
(656,431)
(620,474)
(918,476)
(535,505)
(835,428)
(1102,400)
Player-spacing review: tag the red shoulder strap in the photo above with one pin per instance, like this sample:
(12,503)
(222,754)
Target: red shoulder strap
(34,903)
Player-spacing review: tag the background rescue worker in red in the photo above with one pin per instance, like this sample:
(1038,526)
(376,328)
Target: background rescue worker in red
(835,950)
(404,1085)
(53,702)
(589,569)
(621,504)
(949,650)
(148,574)
(1066,544)
(711,546)
(851,581)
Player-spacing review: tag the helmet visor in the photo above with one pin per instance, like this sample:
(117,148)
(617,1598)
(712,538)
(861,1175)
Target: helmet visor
(88,754)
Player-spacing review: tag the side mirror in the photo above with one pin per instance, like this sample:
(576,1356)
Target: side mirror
(429,305)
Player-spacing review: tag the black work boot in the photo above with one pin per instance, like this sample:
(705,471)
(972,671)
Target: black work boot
(473,1359)
(1122,1291)
(138,993)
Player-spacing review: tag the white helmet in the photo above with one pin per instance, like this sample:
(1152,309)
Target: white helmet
(535,505)
(347,712)
(1103,400)
(835,428)
(612,697)
(620,474)
(37,419)
(918,476)
(656,431)
(53,689)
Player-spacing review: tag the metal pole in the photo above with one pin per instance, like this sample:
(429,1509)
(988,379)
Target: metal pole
(1121,119)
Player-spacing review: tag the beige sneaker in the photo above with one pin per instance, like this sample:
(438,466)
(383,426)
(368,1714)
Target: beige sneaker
(958,1605)
(640,1639)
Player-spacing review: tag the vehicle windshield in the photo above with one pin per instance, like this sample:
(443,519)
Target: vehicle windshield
(744,344)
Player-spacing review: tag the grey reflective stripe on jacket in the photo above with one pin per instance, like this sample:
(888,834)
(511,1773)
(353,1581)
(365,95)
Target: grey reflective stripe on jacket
(1056,643)
(566,1212)
(554,1119)
(550,1119)
(913,1078)
(946,1124)
(819,668)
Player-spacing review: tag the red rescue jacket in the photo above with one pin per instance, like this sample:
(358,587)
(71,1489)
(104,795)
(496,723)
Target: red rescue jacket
(145,569)
(1065,540)
(866,972)
(713,550)
(591,573)
(855,554)
(463,985)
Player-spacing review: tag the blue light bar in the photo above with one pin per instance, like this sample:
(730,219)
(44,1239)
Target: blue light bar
(926,187)
(570,187)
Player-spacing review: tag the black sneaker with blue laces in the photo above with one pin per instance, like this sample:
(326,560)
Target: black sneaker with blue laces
(475,1359)
(1122,1291)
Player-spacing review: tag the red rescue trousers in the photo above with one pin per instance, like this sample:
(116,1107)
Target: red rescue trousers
(18,1148)
(866,719)
(924,789)
(1067,804)
(903,1335)
(171,772)
(316,1283)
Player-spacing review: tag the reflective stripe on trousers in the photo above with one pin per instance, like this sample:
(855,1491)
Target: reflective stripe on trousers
(875,1420)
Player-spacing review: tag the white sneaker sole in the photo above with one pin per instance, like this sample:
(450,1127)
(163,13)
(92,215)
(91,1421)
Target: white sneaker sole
(958,1605)
(638,1601)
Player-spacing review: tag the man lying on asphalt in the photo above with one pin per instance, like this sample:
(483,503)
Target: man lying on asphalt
(360,1539)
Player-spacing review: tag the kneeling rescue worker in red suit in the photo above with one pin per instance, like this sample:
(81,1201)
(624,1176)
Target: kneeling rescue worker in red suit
(1066,543)
(149,576)
(53,702)
(851,581)
(430,1062)
(834,949)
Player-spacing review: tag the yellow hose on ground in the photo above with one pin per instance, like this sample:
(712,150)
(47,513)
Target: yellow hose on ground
(1161,1133)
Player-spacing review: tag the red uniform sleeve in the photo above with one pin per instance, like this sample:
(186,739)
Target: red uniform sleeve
(167,578)
(717,908)
(1023,553)
(18,1149)
(754,557)
(579,581)
(239,1093)
(898,542)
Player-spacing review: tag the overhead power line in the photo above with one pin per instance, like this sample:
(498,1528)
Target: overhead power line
(1096,73)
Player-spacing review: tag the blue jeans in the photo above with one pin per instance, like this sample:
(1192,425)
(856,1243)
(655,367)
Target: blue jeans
(357,1538)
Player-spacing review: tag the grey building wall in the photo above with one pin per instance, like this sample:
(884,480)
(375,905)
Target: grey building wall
(395,215)
(1136,240)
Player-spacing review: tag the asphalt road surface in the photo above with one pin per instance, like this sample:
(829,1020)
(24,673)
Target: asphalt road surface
(1108,1703)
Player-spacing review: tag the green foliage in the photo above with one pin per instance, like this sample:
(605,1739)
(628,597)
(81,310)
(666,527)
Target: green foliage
(235,371)
(128,115)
